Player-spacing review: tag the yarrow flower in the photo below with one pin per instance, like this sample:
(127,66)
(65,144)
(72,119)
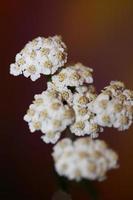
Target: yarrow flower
(40,56)
(84,119)
(71,102)
(89,112)
(83,159)
(50,115)
(114,106)
(72,76)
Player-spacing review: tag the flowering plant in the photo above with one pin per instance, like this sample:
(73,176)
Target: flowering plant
(71,102)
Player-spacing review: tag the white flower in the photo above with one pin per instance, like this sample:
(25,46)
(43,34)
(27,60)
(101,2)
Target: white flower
(72,76)
(15,70)
(49,115)
(114,106)
(83,158)
(40,56)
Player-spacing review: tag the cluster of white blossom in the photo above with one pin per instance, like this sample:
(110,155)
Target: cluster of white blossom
(114,106)
(83,158)
(72,76)
(50,115)
(84,119)
(40,56)
(71,101)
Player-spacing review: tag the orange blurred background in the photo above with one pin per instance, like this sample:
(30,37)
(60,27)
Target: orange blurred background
(97,33)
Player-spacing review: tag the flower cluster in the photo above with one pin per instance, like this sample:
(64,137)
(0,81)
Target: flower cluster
(72,76)
(71,102)
(114,106)
(84,158)
(50,115)
(40,56)
(84,119)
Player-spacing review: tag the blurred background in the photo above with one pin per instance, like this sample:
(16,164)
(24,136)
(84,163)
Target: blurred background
(98,34)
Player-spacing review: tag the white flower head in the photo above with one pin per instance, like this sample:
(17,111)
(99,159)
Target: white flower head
(72,76)
(83,159)
(49,115)
(84,123)
(114,106)
(40,56)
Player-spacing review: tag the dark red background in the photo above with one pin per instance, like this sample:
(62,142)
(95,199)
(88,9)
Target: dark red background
(97,33)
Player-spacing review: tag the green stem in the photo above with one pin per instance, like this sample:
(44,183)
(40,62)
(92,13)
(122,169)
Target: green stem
(48,78)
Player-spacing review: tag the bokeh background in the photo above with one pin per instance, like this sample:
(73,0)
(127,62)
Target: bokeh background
(98,33)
